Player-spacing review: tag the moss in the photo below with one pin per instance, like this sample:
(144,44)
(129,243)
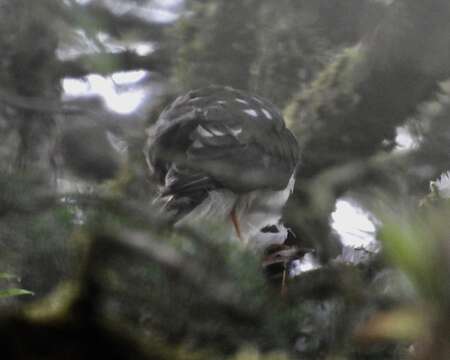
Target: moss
(54,307)
(334,92)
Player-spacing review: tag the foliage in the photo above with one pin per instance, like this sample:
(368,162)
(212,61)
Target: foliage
(204,53)
(12,291)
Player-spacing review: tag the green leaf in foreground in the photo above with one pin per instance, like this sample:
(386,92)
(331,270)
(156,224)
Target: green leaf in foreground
(14,292)
(7,276)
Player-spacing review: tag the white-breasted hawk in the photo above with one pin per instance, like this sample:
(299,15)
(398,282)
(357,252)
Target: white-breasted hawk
(223,155)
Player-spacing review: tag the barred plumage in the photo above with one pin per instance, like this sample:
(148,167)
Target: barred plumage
(218,150)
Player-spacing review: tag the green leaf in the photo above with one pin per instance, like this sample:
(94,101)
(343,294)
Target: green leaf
(14,292)
(8,276)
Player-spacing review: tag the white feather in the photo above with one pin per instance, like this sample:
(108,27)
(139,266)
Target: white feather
(203,132)
(197,144)
(267,114)
(255,210)
(442,185)
(242,101)
(261,208)
(236,132)
(251,112)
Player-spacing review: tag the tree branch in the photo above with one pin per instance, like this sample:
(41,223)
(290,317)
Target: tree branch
(353,108)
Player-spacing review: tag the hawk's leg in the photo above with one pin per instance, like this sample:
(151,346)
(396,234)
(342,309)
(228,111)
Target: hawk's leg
(235,221)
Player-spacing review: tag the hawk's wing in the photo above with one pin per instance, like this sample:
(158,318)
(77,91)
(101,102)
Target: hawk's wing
(220,138)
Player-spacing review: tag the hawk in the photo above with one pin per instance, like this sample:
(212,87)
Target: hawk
(222,155)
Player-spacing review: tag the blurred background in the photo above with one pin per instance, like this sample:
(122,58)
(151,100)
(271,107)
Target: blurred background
(89,268)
